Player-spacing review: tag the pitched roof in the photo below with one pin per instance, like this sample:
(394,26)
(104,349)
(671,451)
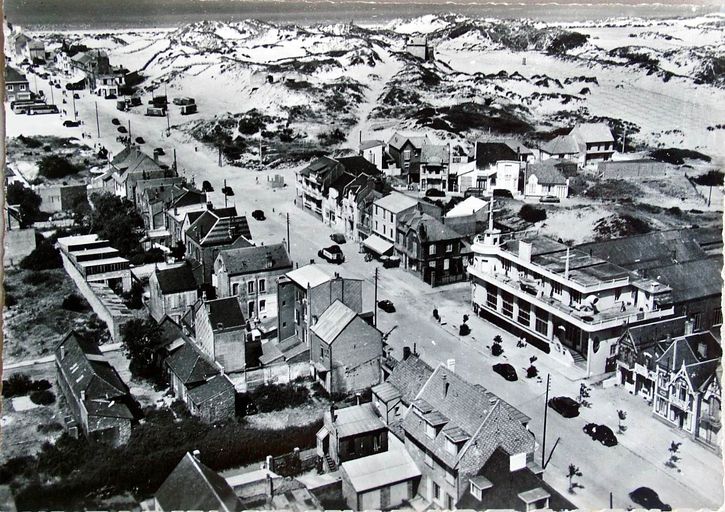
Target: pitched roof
(592,132)
(246,260)
(648,335)
(561,145)
(409,376)
(357,419)
(372,143)
(132,160)
(212,389)
(396,202)
(320,165)
(177,279)
(380,470)
(225,313)
(189,365)
(333,321)
(311,275)
(86,370)
(691,280)
(12,75)
(488,153)
(685,350)
(428,227)
(398,140)
(436,154)
(468,206)
(546,172)
(193,486)
(357,165)
(214,227)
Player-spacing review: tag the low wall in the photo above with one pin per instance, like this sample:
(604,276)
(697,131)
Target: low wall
(623,169)
(282,373)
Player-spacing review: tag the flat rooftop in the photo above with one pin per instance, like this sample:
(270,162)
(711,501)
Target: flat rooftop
(105,261)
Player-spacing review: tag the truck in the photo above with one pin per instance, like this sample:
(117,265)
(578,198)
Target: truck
(188,109)
(156,112)
(181,101)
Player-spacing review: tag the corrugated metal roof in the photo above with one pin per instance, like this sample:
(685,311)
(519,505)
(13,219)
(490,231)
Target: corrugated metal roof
(380,470)
(333,321)
(356,420)
(386,391)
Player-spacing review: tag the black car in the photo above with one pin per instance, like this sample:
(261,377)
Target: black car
(332,254)
(567,407)
(122,129)
(71,124)
(140,140)
(601,433)
(76,96)
(115,122)
(648,499)
(386,306)
(258,215)
(206,187)
(434,192)
(159,151)
(111,97)
(502,192)
(338,238)
(506,371)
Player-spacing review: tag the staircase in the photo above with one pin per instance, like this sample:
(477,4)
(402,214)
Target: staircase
(331,466)
(579,359)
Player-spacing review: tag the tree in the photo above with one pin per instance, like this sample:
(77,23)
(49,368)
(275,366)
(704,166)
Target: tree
(118,221)
(532,214)
(674,458)
(573,471)
(622,415)
(27,200)
(44,257)
(55,167)
(139,338)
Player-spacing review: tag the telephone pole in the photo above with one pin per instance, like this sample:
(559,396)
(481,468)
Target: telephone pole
(375,317)
(546,410)
(288,243)
(624,139)
(225,193)
(75,112)
(98,125)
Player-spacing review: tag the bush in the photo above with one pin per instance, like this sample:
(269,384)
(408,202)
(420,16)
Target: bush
(45,397)
(496,349)
(275,397)
(677,156)
(43,257)
(532,214)
(54,167)
(30,142)
(47,428)
(36,278)
(75,302)
(531,372)
(434,192)
(27,201)
(20,384)
(464,330)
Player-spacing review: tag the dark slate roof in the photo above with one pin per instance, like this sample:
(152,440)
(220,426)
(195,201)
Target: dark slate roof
(429,228)
(170,332)
(190,366)
(408,377)
(398,140)
(546,173)
(561,145)
(254,259)
(357,165)
(507,485)
(691,280)
(12,75)
(176,279)
(213,227)
(648,335)
(371,143)
(225,313)
(319,166)
(488,153)
(133,160)
(213,389)
(700,367)
(193,486)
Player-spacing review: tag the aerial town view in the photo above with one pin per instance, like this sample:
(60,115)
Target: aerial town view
(310,256)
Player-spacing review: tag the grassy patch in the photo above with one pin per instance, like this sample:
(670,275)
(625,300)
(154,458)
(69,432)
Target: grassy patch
(677,156)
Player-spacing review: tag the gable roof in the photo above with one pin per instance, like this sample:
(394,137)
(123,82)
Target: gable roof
(177,279)
(350,421)
(357,165)
(215,227)
(646,336)
(225,313)
(436,154)
(189,365)
(592,132)
(131,160)
(321,165)
(409,376)
(546,172)
(333,321)
(380,470)
(396,202)
(691,280)
(371,143)
(488,153)
(247,260)
(398,140)
(561,145)
(429,228)
(214,388)
(193,486)
(12,75)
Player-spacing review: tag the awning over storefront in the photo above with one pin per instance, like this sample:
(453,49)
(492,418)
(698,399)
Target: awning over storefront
(377,244)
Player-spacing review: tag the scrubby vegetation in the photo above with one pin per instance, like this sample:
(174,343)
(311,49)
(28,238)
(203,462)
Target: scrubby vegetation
(27,201)
(20,384)
(618,226)
(44,257)
(677,156)
(272,397)
(55,167)
(532,214)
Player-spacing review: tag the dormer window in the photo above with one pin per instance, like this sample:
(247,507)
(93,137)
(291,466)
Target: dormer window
(517,461)
(430,431)
(451,447)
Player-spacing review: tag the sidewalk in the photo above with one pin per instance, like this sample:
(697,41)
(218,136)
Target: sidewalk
(110,347)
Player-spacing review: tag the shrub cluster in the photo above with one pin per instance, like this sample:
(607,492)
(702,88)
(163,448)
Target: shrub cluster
(20,384)
(273,397)
(532,214)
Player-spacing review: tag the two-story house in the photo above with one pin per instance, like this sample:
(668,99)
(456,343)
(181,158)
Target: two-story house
(364,208)
(500,165)
(595,142)
(17,87)
(430,249)
(212,232)
(560,147)
(250,274)
(435,161)
(405,151)
(373,150)
(547,179)
(171,292)
(688,387)
(131,166)
(350,433)
(563,300)
(386,211)
(451,431)
(345,350)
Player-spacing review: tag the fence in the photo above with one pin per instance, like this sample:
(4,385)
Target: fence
(643,168)
(295,463)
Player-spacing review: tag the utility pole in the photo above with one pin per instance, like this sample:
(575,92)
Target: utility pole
(98,124)
(624,139)
(288,242)
(610,500)
(52,98)
(375,317)
(225,193)
(168,122)
(129,132)
(546,410)
(175,167)
(75,112)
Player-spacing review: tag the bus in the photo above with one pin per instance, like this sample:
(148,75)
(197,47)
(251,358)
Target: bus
(21,106)
(42,108)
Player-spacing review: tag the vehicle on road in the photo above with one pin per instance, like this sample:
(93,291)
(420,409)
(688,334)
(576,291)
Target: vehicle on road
(122,129)
(140,140)
(338,238)
(434,192)
(159,152)
(115,122)
(506,371)
(502,192)
(156,111)
(57,86)
(567,407)
(42,108)
(258,215)
(390,261)
(601,433)
(332,254)
(386,306)
(76,96)
(549,199)
(188,109)
(71,124)
(648,499)
(111,97)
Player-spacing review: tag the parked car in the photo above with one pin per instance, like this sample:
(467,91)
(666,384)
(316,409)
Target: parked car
(338,238)
(506,371)
(115,122)
(567,407)
(111,97)
(206,186)
(140,140)
(549,199)
(434,192)
(332,254)
(57,86)
(122,129)
(390,261)
(502,192)
(258,215)
(71,124)
(76,96)
(227,191)
(601,433)
(648,499)
(386,306)
(159,152)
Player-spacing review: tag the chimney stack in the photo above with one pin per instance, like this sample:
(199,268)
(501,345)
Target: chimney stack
(702,350)
(406,353)
(357,398)
(196,454)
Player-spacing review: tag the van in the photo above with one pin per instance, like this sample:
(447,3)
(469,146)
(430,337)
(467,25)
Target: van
(156,112)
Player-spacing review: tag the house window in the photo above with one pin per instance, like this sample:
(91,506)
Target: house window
(297,317)
(617,293)
(431,249)
(22,87)
(506,266)
(262,304)
(250,308)
(250,287)
(262,286)
(377,442)
(235,289)
(556,287)
(406,154)
(661,406)
(449,500)
(524,313)
(476,492)
(613,349)
(430,431)
(10,87)
(322,352)
(542,322)
(450,478)
(436,491)
(717,316)
(428,459)
(491,296)
(576,296)
(449,248)
(446,264)
(696,321)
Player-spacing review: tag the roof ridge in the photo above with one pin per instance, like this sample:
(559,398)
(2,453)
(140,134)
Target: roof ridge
(197,465)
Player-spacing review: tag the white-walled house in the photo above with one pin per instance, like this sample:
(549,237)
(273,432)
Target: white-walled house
(545,179)
(372,151)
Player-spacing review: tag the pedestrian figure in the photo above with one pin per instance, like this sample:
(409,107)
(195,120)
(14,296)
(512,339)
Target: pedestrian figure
(195,149)
(436,315)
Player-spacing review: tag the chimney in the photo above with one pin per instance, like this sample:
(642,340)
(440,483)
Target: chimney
(156,157)
(203,295)
(62,352)
(406,353)
(83,396)
(333,416)
(702,350)
(196,454)
(357,398)
(415,349)
(689,326)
